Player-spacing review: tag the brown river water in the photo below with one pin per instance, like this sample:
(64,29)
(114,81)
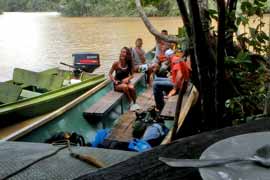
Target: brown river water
(37,41)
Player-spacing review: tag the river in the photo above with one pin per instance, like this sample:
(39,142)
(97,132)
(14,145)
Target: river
(37,41)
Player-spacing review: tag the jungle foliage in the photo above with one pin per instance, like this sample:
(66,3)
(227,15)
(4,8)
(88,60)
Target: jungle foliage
(29,5)
(96,7)
(248,68)
(231,68)
(92,7)
(116,8)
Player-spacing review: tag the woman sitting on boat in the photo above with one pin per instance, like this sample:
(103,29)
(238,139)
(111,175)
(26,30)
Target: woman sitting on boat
(123,74)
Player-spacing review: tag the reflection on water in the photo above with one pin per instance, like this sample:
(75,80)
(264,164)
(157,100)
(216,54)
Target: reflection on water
(37,41)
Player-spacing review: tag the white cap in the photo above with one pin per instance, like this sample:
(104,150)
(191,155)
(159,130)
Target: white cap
(169,52)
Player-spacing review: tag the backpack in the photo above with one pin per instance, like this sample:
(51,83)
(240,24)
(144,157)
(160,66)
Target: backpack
(143,119)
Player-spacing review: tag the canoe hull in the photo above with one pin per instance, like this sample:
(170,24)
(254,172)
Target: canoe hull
(45,103)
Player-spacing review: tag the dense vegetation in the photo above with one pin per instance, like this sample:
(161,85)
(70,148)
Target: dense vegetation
(230,68)
(92,7)
(96,7)
(29,5)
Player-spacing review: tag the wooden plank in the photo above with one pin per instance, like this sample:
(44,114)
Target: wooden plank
(170,106)
(169,109)
(9,93)
(107,102)
(189,99)
(29,94)
(122,131)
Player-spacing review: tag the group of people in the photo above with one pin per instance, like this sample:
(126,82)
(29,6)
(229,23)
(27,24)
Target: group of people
(166,73)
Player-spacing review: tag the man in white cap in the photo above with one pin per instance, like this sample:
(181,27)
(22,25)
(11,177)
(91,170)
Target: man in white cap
(162,84)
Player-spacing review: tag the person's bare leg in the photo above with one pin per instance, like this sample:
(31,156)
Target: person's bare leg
(124,88)
(149,75)
(132,92)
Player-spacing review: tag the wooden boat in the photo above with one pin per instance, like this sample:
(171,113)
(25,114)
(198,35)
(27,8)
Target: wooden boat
(30,94)
(69,117)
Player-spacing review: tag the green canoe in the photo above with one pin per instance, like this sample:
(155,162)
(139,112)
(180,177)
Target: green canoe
(69,118)
(30,93)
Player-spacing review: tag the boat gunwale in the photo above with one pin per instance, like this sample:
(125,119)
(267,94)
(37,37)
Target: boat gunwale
(56,113)
(60,92)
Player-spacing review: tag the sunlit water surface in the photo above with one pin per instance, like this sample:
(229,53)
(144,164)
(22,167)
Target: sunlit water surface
(37,41)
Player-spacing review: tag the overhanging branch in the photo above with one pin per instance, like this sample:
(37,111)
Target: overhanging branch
(151,28)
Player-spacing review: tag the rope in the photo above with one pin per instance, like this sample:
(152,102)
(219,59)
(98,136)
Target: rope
(34,162)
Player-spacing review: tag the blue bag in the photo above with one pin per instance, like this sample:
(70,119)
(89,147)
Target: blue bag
(139,145)
(100,136)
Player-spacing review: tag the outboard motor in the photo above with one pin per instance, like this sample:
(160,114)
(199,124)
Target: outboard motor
(86,61)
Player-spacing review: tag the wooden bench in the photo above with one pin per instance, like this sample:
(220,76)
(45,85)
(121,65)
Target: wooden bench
(169,109)
(26,78)
(189,98)
(9,92)
(108,102)
(29,94)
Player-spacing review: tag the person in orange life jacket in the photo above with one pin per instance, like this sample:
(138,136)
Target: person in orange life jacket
(159,58)
(161,46)
(138,57)
(163,67)
(180,70)
(123,69)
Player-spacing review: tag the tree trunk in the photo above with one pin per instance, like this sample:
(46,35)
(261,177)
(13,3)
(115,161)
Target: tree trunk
(230,27)
(184,15)
(205,61)
(219,97)
(267,99)
(151,28)
(203,7)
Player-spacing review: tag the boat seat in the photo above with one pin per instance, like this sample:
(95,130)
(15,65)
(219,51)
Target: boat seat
(50,82)
(104,105)
(108,102)
(40,80)
(29,94)
(25,77)
(169,109)
(9,92)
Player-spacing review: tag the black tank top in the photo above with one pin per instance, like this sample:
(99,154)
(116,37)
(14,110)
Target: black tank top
(121,73)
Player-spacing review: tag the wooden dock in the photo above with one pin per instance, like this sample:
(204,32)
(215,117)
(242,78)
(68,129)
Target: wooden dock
(123,129)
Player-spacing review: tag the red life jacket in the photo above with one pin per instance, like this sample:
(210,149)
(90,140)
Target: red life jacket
(179,65)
